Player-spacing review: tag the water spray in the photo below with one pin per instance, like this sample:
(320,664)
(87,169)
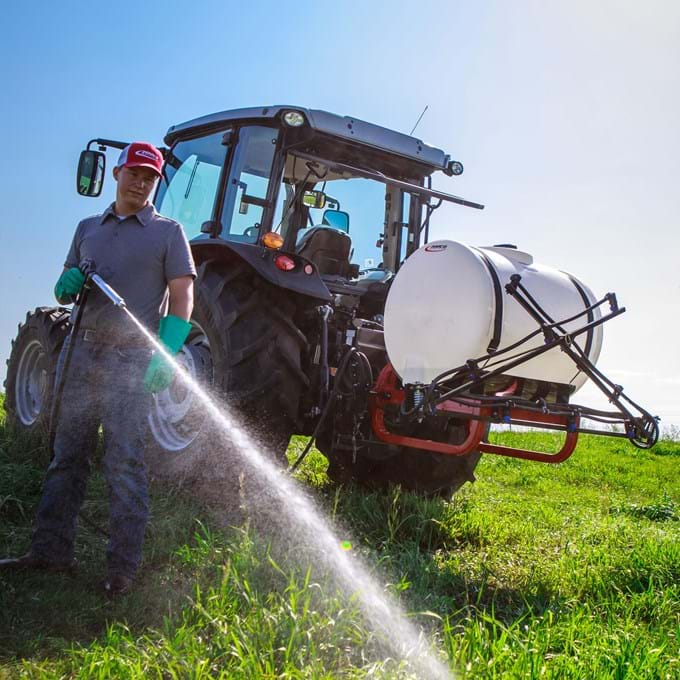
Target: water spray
(402,636)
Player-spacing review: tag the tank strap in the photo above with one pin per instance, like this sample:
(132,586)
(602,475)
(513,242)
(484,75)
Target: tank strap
(498,295)
(591,315)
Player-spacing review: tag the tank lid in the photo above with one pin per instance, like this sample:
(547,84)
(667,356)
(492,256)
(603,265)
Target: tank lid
(511,253)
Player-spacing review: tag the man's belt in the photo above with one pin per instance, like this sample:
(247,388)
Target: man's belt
(102,338)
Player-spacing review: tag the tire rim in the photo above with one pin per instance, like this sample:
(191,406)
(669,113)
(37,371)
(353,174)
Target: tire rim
(176,417)
(31,383)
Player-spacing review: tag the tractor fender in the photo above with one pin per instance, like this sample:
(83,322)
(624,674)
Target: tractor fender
(261,260)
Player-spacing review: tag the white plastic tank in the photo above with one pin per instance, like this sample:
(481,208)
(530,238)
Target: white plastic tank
(442,310)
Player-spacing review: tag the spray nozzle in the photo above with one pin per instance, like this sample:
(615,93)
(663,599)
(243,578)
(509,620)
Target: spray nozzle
(107,290)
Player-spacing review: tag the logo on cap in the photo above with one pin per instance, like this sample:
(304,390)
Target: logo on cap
(146,154)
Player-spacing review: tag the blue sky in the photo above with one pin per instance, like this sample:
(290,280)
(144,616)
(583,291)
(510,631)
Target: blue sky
(564,113)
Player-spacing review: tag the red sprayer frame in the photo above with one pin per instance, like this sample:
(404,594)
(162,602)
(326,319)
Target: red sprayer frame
(389,393)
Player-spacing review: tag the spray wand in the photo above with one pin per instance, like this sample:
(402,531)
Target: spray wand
(107,290)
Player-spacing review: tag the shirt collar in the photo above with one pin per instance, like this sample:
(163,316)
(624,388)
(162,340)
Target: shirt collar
(144,216)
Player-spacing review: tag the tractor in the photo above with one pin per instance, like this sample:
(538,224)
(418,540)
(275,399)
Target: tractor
(322,307)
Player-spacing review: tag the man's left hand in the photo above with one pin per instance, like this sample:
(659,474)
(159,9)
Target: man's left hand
(172,332)
(159,374)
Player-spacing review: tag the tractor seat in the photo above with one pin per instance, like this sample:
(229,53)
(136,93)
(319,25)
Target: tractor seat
(328,248)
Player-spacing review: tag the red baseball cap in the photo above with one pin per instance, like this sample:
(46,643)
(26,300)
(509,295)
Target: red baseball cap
(141,155)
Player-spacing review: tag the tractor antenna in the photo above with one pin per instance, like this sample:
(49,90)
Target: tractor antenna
(419,119)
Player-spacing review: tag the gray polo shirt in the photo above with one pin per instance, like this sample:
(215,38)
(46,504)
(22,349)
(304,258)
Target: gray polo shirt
(137,256)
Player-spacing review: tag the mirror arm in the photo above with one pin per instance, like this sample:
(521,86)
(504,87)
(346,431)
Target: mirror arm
(107,142)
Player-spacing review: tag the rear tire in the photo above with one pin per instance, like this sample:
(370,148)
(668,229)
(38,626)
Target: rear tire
(32,367)
(246,346)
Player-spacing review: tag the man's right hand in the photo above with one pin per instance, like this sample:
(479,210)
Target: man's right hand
(69,283)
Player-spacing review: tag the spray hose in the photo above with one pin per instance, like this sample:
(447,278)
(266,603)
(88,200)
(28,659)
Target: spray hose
(88,269)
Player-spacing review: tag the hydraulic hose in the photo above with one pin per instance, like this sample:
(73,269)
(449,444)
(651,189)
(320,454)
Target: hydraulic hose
(339,376)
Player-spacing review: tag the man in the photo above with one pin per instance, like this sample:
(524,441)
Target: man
(147,260)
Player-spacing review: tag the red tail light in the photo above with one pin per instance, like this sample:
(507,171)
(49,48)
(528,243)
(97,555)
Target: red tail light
(284,263)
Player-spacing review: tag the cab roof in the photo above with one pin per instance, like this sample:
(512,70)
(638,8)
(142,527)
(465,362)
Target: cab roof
(343,127)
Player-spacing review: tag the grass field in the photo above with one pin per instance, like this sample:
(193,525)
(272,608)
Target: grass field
(535,571)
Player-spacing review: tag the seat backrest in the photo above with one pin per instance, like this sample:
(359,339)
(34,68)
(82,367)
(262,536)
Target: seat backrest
(329,249)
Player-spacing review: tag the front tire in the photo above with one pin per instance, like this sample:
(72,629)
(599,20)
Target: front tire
(32,367)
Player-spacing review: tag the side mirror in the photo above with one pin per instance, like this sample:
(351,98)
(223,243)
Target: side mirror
(314,199)
(90,177)
(338,219)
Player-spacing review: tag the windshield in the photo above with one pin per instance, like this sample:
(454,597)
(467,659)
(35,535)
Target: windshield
(188,189)
(355,206)
(364,202)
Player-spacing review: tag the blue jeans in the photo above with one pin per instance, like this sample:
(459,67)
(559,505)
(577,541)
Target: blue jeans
(104,386)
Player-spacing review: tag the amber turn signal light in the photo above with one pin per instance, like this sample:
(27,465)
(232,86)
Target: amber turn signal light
(272,240)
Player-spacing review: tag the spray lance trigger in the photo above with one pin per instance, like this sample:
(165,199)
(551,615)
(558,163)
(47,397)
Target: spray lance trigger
(86,266)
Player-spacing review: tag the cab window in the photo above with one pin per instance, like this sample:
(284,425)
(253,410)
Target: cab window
(248,183)
(188,189)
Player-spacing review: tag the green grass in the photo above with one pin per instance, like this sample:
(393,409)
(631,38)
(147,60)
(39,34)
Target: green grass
(535,571)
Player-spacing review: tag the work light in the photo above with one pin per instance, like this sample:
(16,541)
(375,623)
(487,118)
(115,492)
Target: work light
(293,118)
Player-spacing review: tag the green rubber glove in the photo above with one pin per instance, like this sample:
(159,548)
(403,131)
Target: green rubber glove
(69,283)
(172,332)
